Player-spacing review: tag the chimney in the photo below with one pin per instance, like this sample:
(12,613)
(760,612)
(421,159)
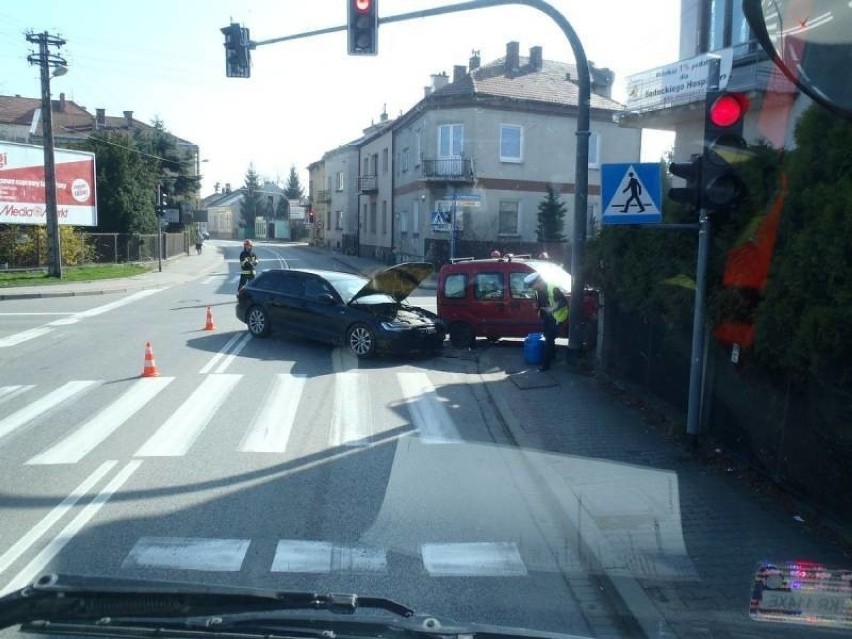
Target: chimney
(513,56)
(227,187)
(62,102)
(474,60)
(439,81)
(535,58)
(459,72)
(100,118)
(384,116)
(128,119)
(427,91)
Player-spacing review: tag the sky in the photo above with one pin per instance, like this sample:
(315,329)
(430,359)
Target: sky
(165,59)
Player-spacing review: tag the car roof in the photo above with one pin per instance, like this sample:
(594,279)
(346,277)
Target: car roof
(472,265)
(315,271)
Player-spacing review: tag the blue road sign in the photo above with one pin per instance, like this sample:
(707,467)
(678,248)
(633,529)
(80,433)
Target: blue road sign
(630,193)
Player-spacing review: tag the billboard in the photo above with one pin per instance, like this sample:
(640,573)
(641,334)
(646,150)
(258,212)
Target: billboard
(22,186)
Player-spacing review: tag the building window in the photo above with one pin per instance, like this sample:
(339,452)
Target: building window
(384,217)
(403,221)
(406,154)
(450,140)
(724,25)
(373,217)
(508,217)
(384,161)
(340,180)
(594,150)
(418,147)
(338,220)
(366,166)
(415,218)
(375,158)
(511,143)
(363,223)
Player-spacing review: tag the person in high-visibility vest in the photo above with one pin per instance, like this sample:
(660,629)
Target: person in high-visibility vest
(553,309)
(248,260)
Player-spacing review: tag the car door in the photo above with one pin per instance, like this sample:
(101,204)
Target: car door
(489,299)
(523,306)
(285,290)
(321,310)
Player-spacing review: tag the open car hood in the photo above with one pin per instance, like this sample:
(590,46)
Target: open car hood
(398,281)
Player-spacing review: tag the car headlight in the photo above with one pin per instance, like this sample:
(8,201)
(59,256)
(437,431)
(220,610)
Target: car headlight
(395,326)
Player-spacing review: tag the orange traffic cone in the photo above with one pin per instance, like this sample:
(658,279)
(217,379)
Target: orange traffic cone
(150,369)
(209,326)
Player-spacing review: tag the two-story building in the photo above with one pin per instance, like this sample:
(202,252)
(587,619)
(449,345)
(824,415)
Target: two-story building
(488,142)
(375,187)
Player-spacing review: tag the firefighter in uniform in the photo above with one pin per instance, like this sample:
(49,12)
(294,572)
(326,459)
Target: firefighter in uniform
(553,309)
(248,260)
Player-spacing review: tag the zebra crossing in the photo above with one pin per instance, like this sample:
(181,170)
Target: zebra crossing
(355,399)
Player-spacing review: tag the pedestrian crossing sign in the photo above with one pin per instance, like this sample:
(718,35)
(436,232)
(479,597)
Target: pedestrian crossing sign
(630,193)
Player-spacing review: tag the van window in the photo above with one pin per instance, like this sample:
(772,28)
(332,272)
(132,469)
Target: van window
(488,286)
(518,289)
(454,285)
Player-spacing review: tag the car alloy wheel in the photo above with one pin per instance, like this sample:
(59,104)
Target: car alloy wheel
(362,341)
(258,322)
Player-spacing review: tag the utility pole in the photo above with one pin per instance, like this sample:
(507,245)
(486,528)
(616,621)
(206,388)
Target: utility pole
(45,59)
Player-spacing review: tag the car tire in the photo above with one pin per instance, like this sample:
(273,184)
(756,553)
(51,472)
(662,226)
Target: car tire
(461,335)
(257,321)
(361,340)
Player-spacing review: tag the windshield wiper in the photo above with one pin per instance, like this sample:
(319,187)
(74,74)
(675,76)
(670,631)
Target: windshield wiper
(72,598)
(135,609)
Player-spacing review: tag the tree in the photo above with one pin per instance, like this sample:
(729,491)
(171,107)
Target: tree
(282,211)
(294,190)
(174,169)
(126,185)
(252,201)
(551,218)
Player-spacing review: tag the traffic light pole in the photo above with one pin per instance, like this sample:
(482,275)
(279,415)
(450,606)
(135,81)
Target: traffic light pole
(696,369)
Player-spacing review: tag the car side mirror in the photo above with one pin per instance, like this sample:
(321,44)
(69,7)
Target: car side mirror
(327,299)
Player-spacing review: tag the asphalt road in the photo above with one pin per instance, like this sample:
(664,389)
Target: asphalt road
(267,463)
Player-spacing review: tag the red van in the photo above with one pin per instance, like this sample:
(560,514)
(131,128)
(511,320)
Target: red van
(488,298)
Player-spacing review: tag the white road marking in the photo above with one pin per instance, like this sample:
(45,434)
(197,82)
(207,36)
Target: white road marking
(73,318)
(35,533)
(175,437)
(104,308)
(81,442)
(43,405)
(215,359)
(188,553)
(23,336)
(271,429)
(295,555)
(352,416)
(427,411)
(8,392)
(236,351)
(485,559)
(37,565)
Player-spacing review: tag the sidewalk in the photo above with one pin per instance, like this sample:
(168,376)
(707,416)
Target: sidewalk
(176,270)
(674,539)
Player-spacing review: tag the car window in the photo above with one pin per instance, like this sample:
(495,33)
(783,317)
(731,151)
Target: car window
(285,283)
(455,285)
(315,287)
(488,286)
(518,289)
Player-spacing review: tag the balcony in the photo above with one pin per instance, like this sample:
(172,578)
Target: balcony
(448,170)
(324,196)
(368,184)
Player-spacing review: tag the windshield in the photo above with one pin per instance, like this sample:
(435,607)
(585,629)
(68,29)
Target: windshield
(656,443)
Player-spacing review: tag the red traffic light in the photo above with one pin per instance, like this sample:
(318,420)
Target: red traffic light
(728,109)
(362,6)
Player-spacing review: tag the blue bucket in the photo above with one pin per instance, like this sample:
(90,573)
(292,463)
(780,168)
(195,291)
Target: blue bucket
(533,348)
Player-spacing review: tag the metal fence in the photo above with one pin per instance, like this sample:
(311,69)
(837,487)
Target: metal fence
(27,248)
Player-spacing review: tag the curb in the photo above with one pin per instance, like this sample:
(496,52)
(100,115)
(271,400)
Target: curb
(624,591)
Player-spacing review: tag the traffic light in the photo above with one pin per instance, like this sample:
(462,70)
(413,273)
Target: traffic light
(724,149)
(237,51)
(691,172)
(363,27)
